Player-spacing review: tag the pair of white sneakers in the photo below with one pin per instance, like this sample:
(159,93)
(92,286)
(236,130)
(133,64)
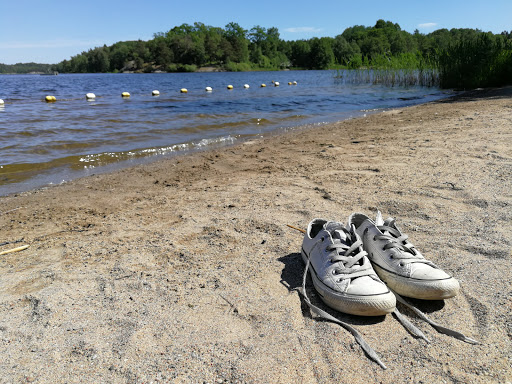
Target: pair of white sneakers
(357,269)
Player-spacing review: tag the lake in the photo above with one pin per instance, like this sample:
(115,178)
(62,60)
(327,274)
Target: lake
(47,143)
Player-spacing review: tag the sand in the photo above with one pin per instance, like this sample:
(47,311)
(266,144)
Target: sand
(184,270)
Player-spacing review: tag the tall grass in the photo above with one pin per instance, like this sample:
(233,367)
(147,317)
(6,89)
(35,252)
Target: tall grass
(403,70)
(482,62)
(390,77)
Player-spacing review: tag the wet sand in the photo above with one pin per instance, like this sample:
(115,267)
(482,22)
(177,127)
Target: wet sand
(184,270)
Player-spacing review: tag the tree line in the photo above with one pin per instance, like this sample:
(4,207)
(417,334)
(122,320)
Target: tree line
(26,68)
(463,57)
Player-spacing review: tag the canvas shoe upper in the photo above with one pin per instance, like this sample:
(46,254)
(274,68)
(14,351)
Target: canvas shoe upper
(341,272)
(398,263)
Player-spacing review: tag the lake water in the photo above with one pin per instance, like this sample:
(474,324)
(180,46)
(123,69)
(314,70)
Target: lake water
(46,143)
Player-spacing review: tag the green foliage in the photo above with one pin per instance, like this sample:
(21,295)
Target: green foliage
(238,67)
(26,68)
(481,60)
(355,61)
(321,55)
(459,57)
(181,68)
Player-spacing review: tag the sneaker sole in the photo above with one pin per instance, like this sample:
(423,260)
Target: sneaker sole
(419,289)
(369,305)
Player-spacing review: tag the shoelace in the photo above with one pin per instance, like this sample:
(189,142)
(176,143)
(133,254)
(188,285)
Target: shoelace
(398,240)
(416,332)
(395,239)
(344,254)
(370,352)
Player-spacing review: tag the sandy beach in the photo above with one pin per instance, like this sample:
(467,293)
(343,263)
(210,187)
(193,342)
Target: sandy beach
(184,270)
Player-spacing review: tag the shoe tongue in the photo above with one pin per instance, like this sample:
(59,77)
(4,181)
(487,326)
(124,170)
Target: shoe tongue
(340,236)
(379,220)
(337,233)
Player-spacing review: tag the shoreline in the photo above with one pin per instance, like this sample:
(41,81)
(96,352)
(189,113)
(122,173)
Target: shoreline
(183,269)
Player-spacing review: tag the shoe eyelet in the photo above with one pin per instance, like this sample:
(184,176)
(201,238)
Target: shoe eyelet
(322,239)
(334,272)
(391,257)
(365,231)
(374,238)
(401,264)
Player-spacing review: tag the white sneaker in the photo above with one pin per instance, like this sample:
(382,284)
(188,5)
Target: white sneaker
(398,263)
(341,272)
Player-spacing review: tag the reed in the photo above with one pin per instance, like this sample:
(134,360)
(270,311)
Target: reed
(390,77)
(481,62)
(404,70)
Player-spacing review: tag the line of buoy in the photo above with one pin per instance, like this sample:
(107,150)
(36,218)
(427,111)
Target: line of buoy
(92,96)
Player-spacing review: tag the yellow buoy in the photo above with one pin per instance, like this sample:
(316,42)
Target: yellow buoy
(125,94)
(289,83)
(155,93)
(276,83)
(90,96)
(230,86)
(246,86)
(184,90)
(50,99)
(263,85)
(208,89)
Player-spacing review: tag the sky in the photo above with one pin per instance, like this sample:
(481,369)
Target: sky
(54,30)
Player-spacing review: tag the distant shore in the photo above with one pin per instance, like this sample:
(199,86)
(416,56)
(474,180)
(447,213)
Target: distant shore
(183,270)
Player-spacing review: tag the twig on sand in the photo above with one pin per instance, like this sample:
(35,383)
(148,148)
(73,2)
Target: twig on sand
(14,250)
(11,242)
(298,229)
(11,210)
(233,306)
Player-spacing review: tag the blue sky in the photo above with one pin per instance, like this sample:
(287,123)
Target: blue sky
(53,30)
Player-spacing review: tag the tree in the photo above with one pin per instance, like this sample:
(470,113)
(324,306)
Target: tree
(343,51)
(160,51)
(98,60)
(321,56)
(236,36)
(301,50)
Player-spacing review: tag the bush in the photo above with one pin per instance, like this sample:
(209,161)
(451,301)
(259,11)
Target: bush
(172,68)
(237,67)
(181,68)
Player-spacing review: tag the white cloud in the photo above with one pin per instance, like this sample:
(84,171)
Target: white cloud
(302,30)
(427,25)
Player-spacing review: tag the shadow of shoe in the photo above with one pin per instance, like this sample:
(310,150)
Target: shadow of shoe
(425,306)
